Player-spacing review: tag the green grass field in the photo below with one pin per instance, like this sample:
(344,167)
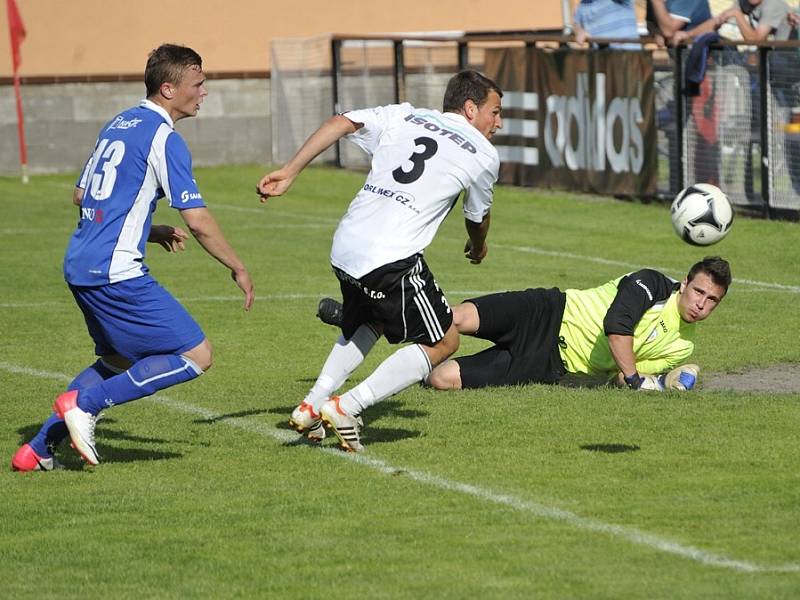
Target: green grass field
(534,492)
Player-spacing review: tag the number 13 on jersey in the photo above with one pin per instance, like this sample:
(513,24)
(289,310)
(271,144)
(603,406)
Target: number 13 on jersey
(105,161)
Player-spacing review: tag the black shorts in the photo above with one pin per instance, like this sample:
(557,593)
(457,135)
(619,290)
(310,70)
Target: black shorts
(402,296)
(524,327)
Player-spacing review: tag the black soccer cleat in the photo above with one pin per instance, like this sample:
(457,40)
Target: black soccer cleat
(330,311)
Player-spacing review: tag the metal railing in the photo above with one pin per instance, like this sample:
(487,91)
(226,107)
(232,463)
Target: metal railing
(757,67)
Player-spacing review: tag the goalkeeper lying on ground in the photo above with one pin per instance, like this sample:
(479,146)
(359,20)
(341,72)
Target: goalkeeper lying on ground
(634,327)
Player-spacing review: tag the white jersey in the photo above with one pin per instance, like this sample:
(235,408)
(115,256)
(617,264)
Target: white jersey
(421,161)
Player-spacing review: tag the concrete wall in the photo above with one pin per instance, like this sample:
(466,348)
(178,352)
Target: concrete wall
(62,122)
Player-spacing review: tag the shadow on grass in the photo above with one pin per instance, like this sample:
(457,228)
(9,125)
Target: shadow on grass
(370,434)
(236,415)
(381,435)
(611,448)
(388,408)
(29,431)
(125,455)
(108,454)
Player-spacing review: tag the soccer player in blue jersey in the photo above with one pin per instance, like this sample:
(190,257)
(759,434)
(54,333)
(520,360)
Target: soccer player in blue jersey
(146,340)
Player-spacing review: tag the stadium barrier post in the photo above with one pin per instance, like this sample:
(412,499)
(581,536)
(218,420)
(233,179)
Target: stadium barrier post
(399,73)
(336,71)
(678,163)
(463,55)
(766,126)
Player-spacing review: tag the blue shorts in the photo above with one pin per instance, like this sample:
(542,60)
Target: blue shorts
(136,318)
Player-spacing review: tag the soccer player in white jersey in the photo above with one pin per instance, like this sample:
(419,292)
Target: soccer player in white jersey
(422,161)
(145,339)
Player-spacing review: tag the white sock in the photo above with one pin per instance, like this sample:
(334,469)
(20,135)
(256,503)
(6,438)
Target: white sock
(343,359)
(402,369)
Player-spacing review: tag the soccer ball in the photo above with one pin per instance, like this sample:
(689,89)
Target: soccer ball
(701,214)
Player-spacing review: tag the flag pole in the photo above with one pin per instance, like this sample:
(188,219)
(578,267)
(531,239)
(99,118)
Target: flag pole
(16,31)
(23,149)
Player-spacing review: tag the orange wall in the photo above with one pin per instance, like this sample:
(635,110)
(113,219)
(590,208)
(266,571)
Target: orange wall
(96,37)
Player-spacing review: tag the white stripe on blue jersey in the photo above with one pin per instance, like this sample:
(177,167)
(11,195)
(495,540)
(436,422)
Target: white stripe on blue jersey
(138,159)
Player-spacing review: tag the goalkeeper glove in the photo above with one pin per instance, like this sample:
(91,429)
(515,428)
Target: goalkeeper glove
(648,383)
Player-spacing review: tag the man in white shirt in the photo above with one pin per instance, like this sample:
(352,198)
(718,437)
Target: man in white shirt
(422,160)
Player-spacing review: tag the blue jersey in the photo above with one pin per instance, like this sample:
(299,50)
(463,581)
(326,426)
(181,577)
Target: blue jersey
(138,159)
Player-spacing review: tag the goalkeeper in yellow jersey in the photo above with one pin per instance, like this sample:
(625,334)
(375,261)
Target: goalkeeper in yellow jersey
(638,329)
(634,328)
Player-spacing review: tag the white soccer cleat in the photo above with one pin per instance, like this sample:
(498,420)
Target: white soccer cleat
(80,425)
(304,420)
(346,427)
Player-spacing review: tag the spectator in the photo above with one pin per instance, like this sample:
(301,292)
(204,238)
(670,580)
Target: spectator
(606,19)
(757,20)
(665,18)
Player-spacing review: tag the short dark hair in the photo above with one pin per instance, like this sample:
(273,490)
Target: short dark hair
(746,7)
(715,267)
(166,64)
(467,85)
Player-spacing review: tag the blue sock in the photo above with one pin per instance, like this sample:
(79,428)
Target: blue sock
(144,378)
(92,376)
(54,431)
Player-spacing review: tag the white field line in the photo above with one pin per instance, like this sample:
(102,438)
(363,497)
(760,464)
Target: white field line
(794,289)
(250,226)
(267,212)
(629,534)
(38,232)
(234,298)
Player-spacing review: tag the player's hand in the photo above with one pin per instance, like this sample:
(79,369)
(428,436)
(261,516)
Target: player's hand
(475,257)
(274,184)
(682,378)
(242,279)
(168,237)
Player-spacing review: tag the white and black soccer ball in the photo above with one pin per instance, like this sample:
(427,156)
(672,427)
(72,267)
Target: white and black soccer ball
(701,214)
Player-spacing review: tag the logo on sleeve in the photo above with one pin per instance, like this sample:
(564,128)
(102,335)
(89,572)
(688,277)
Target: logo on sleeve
(186,195)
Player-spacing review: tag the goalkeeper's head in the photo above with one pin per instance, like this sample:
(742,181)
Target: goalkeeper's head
(704,288)
(715,267)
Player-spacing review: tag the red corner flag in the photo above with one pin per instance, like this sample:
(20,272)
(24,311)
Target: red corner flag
(16,30)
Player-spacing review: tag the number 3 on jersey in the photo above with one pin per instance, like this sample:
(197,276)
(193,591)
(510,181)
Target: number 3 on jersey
(105,161)
(418,160)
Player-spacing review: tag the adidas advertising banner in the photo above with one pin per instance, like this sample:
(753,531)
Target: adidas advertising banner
(576,120)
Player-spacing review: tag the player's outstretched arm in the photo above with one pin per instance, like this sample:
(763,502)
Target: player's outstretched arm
(168,237)
(621,347)
(278,182)
(208,233)
(476,249)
